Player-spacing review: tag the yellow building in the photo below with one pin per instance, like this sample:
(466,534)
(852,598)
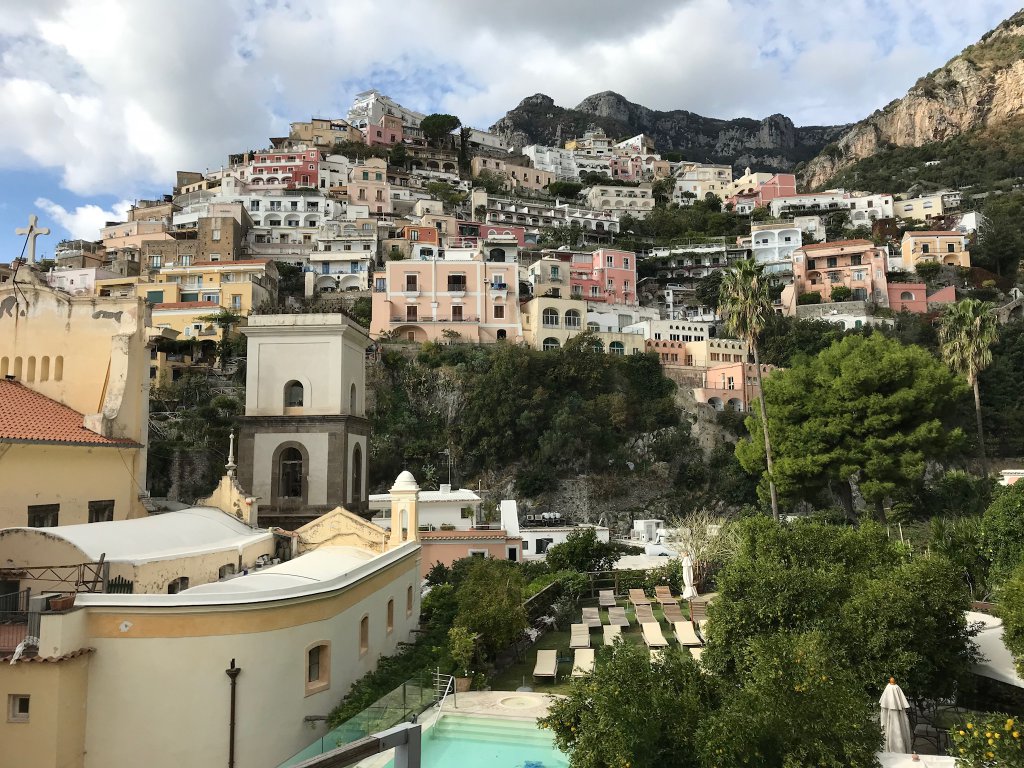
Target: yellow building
(939,247)
(518,176)
(74,412)
(549,323)
(120,677)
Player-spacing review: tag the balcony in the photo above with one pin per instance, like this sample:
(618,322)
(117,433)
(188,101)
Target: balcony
(438,319)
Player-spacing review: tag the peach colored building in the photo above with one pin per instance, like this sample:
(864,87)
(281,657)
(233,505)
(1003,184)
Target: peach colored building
(368,185)
(818,268)
(606,275)
(939,247)
(518,175)
(914,297)
(731,386)
(386,133)
(472,292)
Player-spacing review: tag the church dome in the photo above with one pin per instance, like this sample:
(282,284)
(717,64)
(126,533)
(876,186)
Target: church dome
(405,482)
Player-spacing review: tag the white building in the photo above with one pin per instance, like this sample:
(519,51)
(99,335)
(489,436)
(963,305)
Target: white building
(636,201)
(457,508)
(560,162)
(592,164)
(864,208)
(78,281)
(483,138)
(773,244)
(593,143)
(700,179)
(368,107)
(618,318)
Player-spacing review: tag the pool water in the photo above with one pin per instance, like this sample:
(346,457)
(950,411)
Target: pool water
(467,740)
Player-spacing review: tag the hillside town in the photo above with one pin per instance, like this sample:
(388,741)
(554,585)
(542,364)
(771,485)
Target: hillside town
(400,439)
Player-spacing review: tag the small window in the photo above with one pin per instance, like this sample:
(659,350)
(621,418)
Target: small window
(499,312)
(177,585)
(408,601)
(391,616)
(17,708)
(43,515)
(364,635)
(318,668)
(950,248)
(226,570)
(294,394)
(101,511)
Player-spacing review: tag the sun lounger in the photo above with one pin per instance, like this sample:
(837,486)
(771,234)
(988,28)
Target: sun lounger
(663,594)
(652,635)
(592,617)
(657,654)
(685,634)
(672,612)
(644,614)
(702,625)
(612,633)
(696,653)
(637,597)
(584,662)
(579,636)
(547,665)
(617,616)
(606,598)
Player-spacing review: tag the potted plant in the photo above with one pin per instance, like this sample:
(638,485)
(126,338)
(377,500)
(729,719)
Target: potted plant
(62,602)
(462,646)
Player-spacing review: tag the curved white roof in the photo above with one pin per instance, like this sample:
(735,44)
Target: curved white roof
(312,568)
(171,534)
(997,663)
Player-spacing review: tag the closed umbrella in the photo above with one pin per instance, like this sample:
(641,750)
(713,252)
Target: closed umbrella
(895,722)
(688,590)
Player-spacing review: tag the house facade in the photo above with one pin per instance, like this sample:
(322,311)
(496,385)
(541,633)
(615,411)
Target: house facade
(859,265)
(944,247)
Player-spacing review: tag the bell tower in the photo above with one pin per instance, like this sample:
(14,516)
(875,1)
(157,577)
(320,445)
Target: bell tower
(404,517)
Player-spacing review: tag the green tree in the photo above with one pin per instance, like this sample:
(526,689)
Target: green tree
(436,127)
(785,339)
(398,156)
(362,310)
(491,604)
(1011,610)
(566,189)
(494,182)
(743,298)
(709,289)
(1003,530)
(795,708)
(661,190)
(1000,236)
(865,410)
(582,552)
(631,712)
(841,293)
(449,195)
(967,332)
(225,319)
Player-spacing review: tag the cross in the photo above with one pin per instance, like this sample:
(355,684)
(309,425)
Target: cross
(33,232)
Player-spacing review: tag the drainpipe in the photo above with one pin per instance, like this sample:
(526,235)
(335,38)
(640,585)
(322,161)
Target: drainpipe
(232,672)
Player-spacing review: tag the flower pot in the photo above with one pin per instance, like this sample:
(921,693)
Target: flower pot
(62,602)
(462,684)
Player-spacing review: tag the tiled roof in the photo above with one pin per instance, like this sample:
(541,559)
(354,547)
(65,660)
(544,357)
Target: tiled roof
(837,244)
(934,233)
(29,417)
(187,305)
(230,263)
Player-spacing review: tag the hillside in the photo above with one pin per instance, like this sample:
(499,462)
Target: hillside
(979,89)
(773,143)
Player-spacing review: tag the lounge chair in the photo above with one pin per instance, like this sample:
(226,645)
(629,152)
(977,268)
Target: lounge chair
(685,634)
(592,617)
(672,612)
(612,632)
(579,636)
(663,594)
(547,665)
(584,662)
(652,635)
(617,616)
(696,653)
(702,627)
(606,598)
(637,597)
(657,654)
(644,614)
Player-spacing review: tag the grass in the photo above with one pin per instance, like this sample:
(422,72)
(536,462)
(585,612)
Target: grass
(514,676)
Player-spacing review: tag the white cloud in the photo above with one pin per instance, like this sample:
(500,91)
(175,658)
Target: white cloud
(85,221)
(118,96)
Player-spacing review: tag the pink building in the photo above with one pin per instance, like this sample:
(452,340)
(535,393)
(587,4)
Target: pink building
(606,275)
(386,133)
(914,297)
(467,293)
(299,168)
(755,196)
(819,268)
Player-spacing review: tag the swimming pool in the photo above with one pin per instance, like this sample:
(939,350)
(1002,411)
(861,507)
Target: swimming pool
(469,740)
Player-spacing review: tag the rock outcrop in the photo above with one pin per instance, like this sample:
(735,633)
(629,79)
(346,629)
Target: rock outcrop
(982,86)
(773,143)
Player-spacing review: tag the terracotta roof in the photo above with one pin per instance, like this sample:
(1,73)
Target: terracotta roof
(29,417)
(933,233)
(473,534)
(836,244)
(48,659)
(230,263)
(187,305)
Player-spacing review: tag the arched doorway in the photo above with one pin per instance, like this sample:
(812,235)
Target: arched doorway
(290,472)
(357,474)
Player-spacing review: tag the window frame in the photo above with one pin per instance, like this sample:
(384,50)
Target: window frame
(14,715)
(323,667)
(107,509)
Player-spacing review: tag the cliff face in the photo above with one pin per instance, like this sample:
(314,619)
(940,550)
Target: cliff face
(773,143)
(982,86)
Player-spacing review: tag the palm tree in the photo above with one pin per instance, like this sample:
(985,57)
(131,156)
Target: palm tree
(746,305)
(966,333)
(225,319)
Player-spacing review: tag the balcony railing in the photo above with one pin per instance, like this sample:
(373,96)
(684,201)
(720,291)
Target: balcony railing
(432,319)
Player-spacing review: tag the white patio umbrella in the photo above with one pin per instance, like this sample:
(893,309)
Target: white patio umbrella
(895,722)
(688,590)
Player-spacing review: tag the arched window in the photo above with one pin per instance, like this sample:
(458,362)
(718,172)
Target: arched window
(294,395)
(502,334)
(357,473)
(496,254)
(391,616)
(906,296)
(572,319)
(318,668)
(550,343)
(592,326)
(549,318)
(408,601)
(17,368)
(44,369)
(616,348)
(5,366)
(291,474)
(31,375)
(58,368)
(364,635)
(352,400)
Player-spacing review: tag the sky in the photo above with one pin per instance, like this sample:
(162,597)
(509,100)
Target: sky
(103,100)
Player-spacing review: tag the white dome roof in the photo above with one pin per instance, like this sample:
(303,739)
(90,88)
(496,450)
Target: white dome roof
(405,482)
